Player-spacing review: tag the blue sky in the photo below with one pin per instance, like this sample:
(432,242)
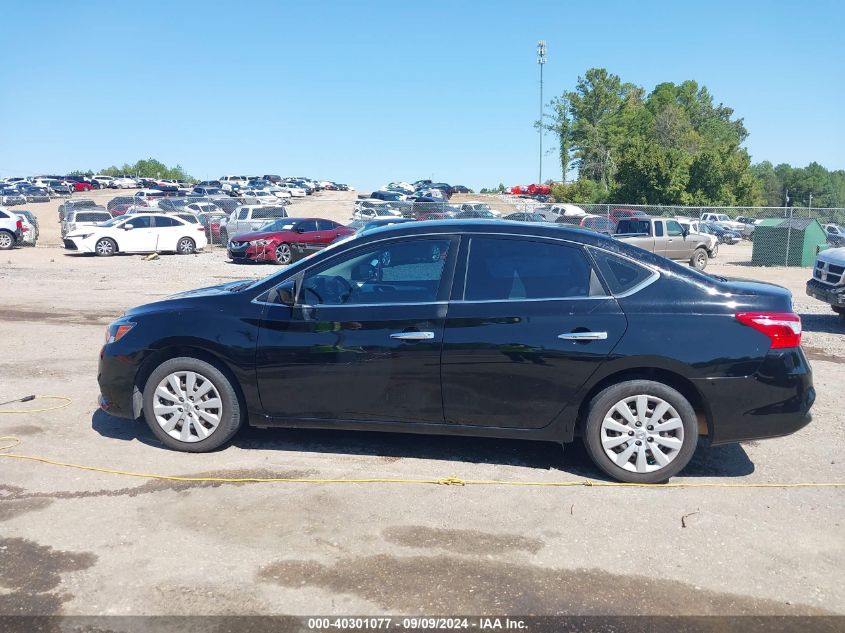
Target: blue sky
(367,92)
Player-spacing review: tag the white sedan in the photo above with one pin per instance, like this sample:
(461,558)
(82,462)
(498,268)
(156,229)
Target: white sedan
(142,233)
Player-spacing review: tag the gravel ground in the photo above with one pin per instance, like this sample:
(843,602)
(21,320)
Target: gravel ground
(74,542)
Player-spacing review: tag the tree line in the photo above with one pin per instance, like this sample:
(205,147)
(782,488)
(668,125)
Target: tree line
(149,168)
(672,146)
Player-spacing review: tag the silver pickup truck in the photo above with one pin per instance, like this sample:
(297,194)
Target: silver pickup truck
(665,236)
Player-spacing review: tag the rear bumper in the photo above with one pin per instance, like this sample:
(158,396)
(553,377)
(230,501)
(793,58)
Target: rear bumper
(773,402)
(834,295)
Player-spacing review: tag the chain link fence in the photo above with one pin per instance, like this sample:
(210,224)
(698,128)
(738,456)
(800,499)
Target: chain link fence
(751,236)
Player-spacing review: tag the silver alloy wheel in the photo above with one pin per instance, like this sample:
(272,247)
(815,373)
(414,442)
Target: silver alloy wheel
(642,433)
(5,240)
(283,254)
(187,406)
(104,247)
(186,246)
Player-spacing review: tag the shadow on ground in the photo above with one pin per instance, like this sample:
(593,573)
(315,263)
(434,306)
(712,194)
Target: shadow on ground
(830,323)
(719,461)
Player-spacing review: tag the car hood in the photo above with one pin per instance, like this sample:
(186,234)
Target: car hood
(833,256)
(190,298)
(262,235)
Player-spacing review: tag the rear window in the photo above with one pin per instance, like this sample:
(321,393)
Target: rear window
(633,226)
(620,274)
(92,217)
(269,212)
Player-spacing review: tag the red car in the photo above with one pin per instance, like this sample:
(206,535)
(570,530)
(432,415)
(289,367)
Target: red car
(82,186)
(283,240)
(625,214)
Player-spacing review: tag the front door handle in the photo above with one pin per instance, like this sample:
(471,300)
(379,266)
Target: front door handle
(583,336)
(413,336)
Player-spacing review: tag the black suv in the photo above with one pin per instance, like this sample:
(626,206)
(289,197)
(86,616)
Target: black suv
(486,328)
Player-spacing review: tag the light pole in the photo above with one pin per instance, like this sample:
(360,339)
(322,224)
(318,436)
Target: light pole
(541,61)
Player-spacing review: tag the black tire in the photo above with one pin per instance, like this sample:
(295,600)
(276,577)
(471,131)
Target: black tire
(699,259)
(231,417)
(7,240)
(602,406)
(105,247)
(186,246)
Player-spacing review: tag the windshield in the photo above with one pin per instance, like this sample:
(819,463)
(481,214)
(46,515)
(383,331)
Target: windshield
(113,222)
(723,218)
(278,225)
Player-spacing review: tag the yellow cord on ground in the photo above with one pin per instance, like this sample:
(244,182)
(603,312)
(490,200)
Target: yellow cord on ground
(65,402)
(451,480)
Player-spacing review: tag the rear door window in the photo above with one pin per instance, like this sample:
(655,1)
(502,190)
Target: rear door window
(501,269)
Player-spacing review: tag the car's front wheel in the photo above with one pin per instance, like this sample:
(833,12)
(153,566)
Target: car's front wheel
(105,247)
(641,431)
(190,405)
(284,254)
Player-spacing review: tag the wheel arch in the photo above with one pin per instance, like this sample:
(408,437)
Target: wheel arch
(658,374)
(176,351)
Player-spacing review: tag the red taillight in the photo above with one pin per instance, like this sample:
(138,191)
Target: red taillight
(782,328)
(201,228)
(19,225)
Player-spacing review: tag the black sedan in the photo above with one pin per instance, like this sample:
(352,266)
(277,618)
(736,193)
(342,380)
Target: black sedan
(497,329)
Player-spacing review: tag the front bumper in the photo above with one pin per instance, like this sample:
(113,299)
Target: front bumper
(833,295)
(116,377)
(78,245)
(772,402)
(265,253)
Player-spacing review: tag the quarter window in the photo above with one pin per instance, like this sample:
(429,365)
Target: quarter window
(517,269)
(409,271)
(620,274)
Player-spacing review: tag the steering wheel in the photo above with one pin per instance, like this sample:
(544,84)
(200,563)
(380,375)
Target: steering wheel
(343,288)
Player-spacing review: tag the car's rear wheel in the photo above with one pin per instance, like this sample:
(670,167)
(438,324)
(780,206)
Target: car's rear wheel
(190,405)
(284,254)
(7,240)
(186,246)
(105,247)
(641,431)
(699,259)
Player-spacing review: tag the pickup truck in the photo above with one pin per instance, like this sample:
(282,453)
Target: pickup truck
(11,229)
(249,218)
(665,236)
(828,282)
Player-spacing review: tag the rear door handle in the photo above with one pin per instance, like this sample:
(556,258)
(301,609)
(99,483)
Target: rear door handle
(413,336)
(583,336)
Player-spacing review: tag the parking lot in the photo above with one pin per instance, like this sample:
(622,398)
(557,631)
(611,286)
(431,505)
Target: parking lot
(68,537)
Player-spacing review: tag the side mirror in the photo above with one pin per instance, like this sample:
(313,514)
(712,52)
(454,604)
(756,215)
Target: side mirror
(128,227)
(685,232)
(286,293)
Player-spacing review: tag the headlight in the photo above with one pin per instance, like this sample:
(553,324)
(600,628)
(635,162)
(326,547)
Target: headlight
(84,236)
(260,242)
(117,330)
